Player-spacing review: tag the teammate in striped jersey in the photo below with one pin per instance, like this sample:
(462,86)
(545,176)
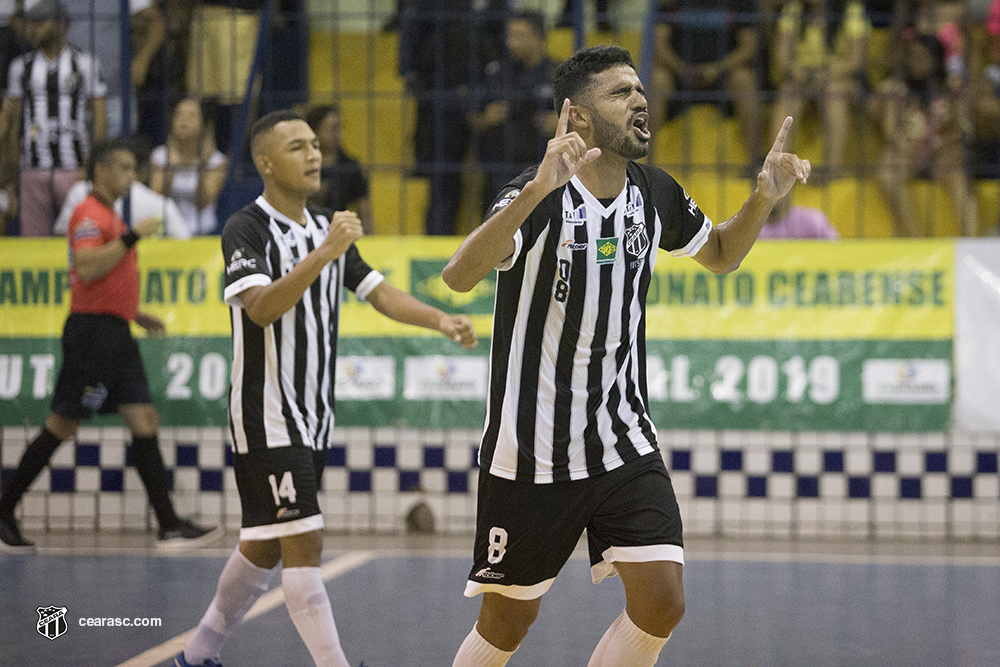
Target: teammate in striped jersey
(568,442)
(54,93)
(287,266)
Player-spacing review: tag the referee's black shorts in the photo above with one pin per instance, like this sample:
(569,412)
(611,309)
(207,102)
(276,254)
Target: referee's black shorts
(101,368)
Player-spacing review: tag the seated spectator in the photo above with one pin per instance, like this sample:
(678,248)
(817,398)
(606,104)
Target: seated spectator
(797,222)
(343,184)
(514,119)
(819,58)
(705,51)
(189,168)
(143,202)
(921,119)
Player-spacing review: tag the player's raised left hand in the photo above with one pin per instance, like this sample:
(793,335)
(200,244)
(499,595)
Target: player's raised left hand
(781,169)
(459,329)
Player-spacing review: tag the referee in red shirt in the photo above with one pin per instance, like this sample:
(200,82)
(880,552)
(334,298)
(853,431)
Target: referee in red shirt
(102,370)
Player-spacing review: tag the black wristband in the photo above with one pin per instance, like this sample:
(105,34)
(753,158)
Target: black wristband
(129,239)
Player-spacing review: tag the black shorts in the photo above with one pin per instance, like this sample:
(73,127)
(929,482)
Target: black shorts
(279,491)
(525,532)
(101,368)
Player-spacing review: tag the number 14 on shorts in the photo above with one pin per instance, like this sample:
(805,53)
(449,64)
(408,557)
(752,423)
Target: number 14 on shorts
(286,489)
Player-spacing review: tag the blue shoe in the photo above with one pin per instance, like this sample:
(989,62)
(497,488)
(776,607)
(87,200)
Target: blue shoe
(179,661)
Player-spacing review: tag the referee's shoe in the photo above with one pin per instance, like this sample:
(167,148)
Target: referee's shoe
(11,540)
(186,535)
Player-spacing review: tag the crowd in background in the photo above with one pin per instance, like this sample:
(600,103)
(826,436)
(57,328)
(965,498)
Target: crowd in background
(927,95)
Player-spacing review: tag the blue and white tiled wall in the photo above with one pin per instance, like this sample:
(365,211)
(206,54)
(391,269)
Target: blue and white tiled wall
(728,482)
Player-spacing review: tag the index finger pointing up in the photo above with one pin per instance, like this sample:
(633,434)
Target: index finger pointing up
(563,119)
(779,141)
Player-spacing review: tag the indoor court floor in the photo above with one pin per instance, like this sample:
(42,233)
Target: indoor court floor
(398,603)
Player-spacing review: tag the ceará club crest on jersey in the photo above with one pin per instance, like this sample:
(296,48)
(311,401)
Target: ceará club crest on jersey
(636,239)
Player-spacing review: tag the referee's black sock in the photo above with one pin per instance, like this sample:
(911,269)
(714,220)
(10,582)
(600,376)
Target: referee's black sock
(149,464)
(33,461)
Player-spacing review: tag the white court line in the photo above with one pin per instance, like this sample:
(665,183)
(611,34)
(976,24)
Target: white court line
(268,601)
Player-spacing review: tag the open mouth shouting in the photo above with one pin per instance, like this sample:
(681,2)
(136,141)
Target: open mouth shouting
(641,125)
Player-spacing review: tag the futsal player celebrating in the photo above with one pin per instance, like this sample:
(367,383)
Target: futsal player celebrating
(287,267)
(568,442)
(101,368)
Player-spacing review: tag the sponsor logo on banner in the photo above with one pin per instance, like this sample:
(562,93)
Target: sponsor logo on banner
(427,285)
(926,381)
(366,378)
(51,622)
(447,378)
(606,250)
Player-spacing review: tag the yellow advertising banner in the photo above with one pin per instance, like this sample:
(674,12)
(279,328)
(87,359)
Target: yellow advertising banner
(806,290)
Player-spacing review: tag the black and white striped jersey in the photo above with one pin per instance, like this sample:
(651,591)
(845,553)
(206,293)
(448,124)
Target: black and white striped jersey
(54,95)
(567,396)
(282,381)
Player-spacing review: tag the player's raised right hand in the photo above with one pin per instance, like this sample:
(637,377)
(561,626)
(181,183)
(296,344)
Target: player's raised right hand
(564,155)
(345,229)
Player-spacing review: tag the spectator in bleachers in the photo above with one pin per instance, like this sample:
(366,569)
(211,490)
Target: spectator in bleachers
(514,118)
(920,115)
(151,67)
(12,45)
(706,51)
(189,168)
(343,184)
(443,47)
(53,93)
(223,39)
(604,23)
(819,57)
(797,222)
(144,202)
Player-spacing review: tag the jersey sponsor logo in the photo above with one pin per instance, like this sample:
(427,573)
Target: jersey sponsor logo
(632,207)
(238,261)
(607,249)
(487,573)
(87,229)
(577,216)
(507,198)
(692,206)
(636,240)
(285,513)
(570,244)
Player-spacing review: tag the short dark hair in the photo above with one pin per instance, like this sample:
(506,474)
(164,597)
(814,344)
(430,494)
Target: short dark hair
(573,75)
(316,115)
(102,150)
(534,19)
(267,122)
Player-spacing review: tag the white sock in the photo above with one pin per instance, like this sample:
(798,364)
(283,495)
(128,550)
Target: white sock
(477,652)
(626,645)
(240,584)
(309,606)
